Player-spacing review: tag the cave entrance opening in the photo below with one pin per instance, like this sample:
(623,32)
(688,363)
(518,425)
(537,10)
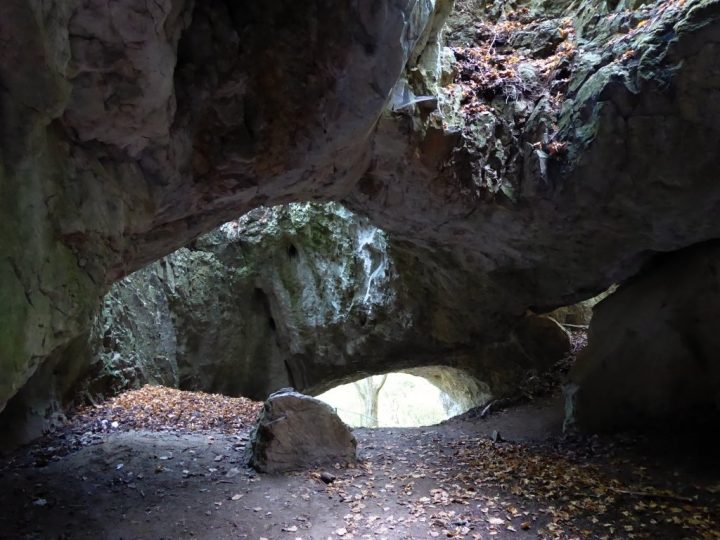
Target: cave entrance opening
(411,398)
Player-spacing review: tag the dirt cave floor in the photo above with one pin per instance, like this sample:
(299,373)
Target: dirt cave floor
(163,464)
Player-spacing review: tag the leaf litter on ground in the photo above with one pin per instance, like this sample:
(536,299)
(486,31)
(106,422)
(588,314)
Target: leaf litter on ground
(158,408)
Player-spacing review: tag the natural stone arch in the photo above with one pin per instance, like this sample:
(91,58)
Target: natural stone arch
(412,397)
(462,387)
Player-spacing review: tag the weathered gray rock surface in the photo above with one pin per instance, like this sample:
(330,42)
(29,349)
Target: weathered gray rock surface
(133,340)
(652,358)
(130,128)
(296,431)
(460,390)
(307,295)
(581,313)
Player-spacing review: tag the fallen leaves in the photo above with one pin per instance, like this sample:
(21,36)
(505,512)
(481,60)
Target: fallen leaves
(157,408)
(494,67)
(440,483)
(481,489)
(514,70)
(649,18)
(510,89)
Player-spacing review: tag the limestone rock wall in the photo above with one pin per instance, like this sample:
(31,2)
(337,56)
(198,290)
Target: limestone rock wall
(548,224)
(133,340)
(130,128)
(306,295)
(464,392)
(130,342)
(652,353)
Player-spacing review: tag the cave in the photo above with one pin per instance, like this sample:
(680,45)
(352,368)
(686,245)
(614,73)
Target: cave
(213,211)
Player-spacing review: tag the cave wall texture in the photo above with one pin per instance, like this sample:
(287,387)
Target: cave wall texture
(305,295)
(653,347)
(130,128)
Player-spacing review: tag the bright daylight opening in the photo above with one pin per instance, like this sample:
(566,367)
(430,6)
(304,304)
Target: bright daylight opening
(406,399)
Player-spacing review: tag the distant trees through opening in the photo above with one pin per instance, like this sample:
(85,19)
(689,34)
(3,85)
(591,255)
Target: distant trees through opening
(404,399)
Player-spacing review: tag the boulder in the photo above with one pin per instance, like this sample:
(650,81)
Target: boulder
(296,431)
(652,355)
